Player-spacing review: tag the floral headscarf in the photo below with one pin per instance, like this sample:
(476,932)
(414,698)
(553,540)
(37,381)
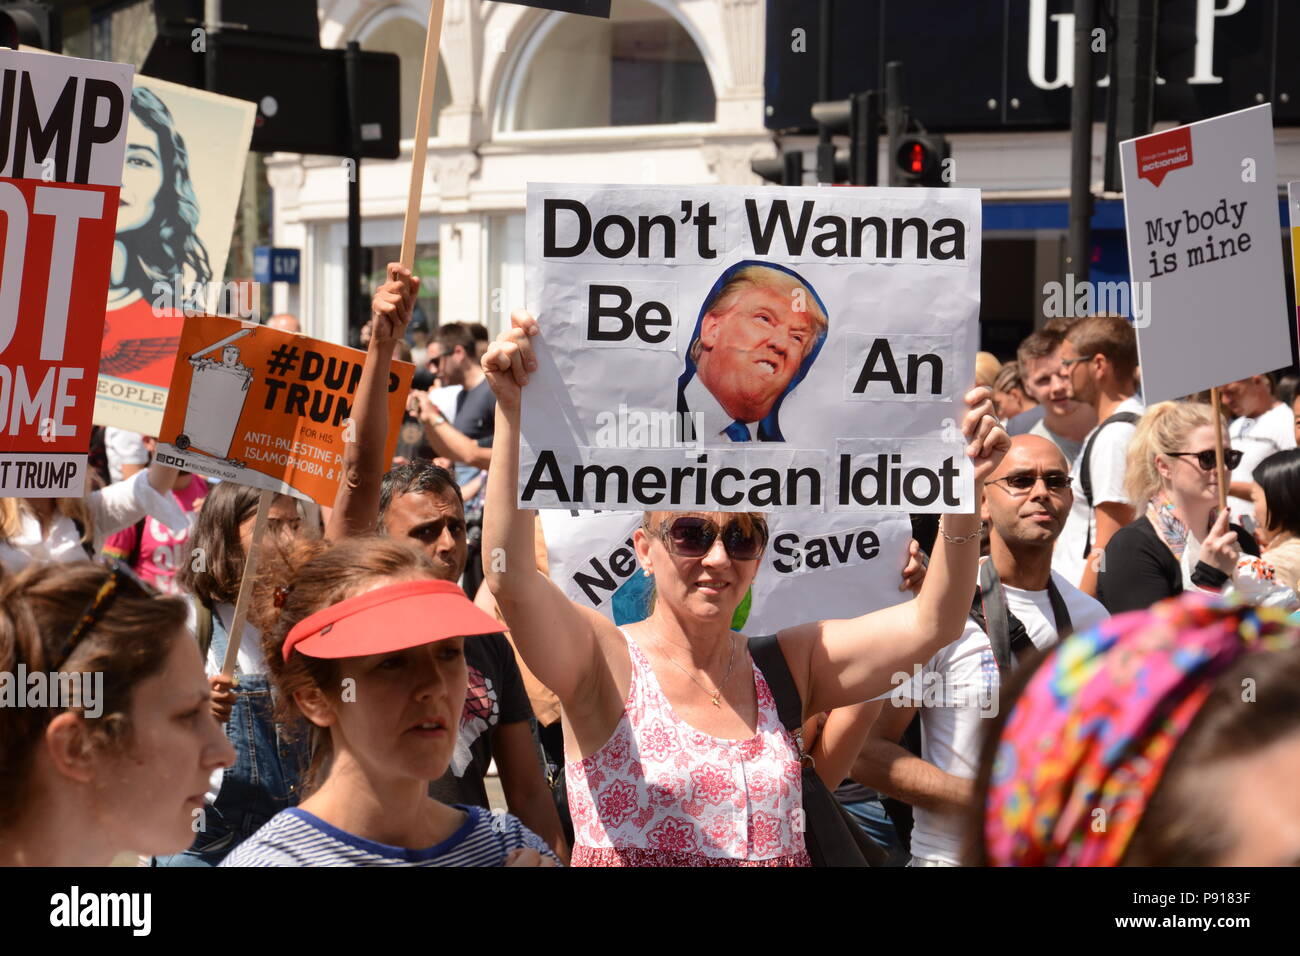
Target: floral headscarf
(1088,740)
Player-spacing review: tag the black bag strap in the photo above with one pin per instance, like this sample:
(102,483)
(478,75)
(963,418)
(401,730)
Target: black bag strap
(767,654)
(1006,632)
(133,558)
(832,837)
(1085,469)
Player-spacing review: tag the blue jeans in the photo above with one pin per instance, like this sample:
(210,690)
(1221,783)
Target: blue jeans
(870,815)
(264,780)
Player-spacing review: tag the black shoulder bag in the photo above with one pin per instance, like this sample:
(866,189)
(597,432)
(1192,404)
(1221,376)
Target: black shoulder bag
(832,837)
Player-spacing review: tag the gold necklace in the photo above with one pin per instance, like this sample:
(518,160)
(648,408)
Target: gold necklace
(714,696)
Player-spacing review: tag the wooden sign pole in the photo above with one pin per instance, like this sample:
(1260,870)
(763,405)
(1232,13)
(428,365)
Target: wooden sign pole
(420,151)
(246,584)
(1218,449)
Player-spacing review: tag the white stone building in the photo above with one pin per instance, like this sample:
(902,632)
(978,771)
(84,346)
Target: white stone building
(666,91)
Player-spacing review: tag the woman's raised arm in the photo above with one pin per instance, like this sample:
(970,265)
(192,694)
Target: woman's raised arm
(356,504)
(558,639)
(840,663)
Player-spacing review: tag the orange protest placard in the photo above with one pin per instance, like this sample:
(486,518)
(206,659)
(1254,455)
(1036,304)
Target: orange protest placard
(267,408)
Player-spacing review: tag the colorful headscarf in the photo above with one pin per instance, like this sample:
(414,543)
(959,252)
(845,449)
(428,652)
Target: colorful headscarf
(1088,740)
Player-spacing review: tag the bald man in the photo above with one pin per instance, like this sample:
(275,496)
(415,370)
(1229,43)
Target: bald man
(285,323)
(1021,605)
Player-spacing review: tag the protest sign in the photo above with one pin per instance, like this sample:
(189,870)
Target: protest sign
(62,137)
(1293,216)
(267,408)
(185,154)
(1200,203)
(750,348)
(816,567)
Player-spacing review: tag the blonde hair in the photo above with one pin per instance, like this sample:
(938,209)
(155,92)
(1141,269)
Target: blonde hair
(987,368)
(1163,429)
(13,509)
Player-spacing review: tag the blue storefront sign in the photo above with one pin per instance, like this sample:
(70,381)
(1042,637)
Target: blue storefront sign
(276,264)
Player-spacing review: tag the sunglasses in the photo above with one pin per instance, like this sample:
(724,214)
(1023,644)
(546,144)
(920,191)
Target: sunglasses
(1022,484)
(1231,458)
(691,537)
(1067,364)
(121,578)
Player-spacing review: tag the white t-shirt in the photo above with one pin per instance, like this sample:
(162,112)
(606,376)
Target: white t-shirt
(1034,609)
(959,689)
(959,700)
(1256,439)
(1106,467)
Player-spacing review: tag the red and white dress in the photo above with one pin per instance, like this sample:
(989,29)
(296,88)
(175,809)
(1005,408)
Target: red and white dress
(661,793)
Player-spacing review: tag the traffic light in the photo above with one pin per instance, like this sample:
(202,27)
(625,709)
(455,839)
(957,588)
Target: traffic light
(919,159)
(30,24)
(784,170)
(859,117)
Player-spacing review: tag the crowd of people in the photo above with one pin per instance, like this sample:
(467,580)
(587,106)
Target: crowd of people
(386,670)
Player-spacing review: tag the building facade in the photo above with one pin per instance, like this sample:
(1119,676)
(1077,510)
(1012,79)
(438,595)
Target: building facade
(666,91)
(672,92)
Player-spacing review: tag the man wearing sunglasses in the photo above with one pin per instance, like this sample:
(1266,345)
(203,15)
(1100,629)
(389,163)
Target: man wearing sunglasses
(1099,362)
(1022,605)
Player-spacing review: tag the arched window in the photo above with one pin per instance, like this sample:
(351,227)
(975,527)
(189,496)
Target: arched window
(640,67)
(405,37)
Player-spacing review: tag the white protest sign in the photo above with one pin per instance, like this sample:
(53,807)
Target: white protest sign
(816,566)
(750,348)
(1201,207)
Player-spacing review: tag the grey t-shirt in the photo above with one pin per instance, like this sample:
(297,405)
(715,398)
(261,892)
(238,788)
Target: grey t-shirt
(1068,446)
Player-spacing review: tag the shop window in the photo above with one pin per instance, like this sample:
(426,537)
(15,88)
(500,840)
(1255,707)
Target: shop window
(405,37)
(638,68)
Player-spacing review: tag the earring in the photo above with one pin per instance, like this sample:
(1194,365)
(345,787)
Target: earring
(646,572)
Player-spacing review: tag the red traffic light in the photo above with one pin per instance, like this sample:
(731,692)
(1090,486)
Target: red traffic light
(917,159)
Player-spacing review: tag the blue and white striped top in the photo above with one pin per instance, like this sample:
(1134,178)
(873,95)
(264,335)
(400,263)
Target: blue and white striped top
(295,837)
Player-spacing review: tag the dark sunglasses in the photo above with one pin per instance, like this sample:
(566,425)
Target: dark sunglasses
(691,537)
(1053,481)
(1231,458)
(121,578)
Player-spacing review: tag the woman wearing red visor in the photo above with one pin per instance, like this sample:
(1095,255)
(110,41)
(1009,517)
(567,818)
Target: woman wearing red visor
(367,650)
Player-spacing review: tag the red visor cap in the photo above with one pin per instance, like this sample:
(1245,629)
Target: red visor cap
(391,618)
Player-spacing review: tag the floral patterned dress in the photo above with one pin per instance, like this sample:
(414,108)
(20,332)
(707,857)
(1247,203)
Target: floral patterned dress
(661,793)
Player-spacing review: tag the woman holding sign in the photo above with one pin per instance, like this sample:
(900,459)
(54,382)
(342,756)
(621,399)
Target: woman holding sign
(1182,542)
(676,752)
